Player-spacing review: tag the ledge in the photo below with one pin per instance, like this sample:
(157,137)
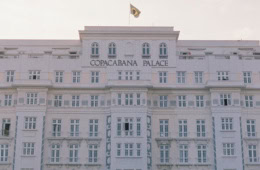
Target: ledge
(227,83)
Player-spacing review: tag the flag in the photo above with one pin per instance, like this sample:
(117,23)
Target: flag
(133,10)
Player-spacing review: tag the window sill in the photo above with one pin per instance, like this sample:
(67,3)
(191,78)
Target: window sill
(127,157)
(28,156)
(30,130)
(232,157)
(227,130)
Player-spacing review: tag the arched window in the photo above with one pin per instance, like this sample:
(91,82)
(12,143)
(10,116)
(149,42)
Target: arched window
(163,50)
(94,49)
(112,49)
(146,49)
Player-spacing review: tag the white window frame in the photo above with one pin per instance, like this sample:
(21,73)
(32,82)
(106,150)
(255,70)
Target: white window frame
(182,101)
(249,101)
(129,149)
(30,123)
(95,76)
(138,149)
(129,99)
(28,149)
(138,126)
(163,50)
(93,128)
(112,49)
(138,99)
(74,127)
(10,76)
(164,153)
(129,75)
(225,100)
(145,49)
(163,100)
(200,101)
(93,153)
(73,153)
(181,77)
(58,101)
(75,101)
(8,100)
(32,98)
(130,130)
(251,127)
(163,77)
(56,127)
(223,75)
(118,149)
(228,149)
(201,127)
(183,128)
(227,123)
(252,153)
(184,153)
(55,153)
(34,74)
(120,75)
(198,76)
(94,100)
(202,153)
(76,76)
(164,127)
(247,75)
(6,126)
(4,149)
(138,75)
(59,76)
(119,126)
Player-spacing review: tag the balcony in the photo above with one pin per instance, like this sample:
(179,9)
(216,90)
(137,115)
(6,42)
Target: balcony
(56,136)
(251,136)
(73,161)
(253,161)
(5,161)
(226,83)
(164,162)
(6,135)
(93,162)
(128,83)
(58,161)
(34,83)
(163,138)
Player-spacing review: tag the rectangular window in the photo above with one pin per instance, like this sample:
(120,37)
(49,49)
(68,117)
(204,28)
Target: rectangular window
(164,153)
(250,127)
(128,126)
(228,149)
(164,128)
(92,153)
(75,101)
(73,153)
(9,76)
(119,126)
(199,101)
(138,75)
(252,153)
(182,101)
(181,77)
(119,99)
(94,101)
(119,74)
(30,123)
(225,99)
(118,149)
(183,128)
(28,149)
(58,100)
(202,153)
(32,98)
(138,149)
(138,99)
(223,75)
(74,127)
(198,77)
(34,75)
(3,153)
(93,127)
(59,76)
(249,101)
(6,125)
(227,123)
(129,149)
(163,101)
(8,100)
(129,75)
(56,127)
(201,128)
(129,99)
(76,76)
(138,126)
(163,76)
(55,153)
(94,77)
(247,77)
(183,149)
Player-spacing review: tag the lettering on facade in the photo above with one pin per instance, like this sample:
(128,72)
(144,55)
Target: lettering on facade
(146,63)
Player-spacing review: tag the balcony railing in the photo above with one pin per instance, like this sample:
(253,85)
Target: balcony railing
(5,160)
(253,160)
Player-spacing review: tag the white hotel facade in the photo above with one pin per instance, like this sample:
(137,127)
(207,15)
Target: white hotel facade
(129,98)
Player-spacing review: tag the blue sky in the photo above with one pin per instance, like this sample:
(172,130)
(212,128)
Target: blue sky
(195,19)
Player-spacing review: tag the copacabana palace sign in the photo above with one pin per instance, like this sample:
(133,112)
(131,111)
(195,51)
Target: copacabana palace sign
(145,63)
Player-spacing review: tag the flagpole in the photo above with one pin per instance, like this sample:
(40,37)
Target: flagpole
(129,15)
